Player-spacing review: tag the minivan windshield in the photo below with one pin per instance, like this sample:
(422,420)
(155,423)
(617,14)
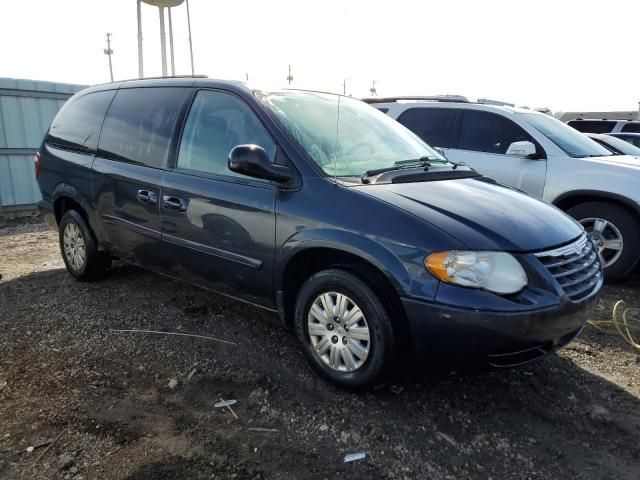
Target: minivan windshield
(568,139)
(347,137)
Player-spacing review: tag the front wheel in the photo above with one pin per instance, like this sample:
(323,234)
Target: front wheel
(616,233)
(344,328)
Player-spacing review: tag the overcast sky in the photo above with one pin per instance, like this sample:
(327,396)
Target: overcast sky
(562,54)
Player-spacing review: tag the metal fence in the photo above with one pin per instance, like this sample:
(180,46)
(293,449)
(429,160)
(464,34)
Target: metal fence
(27,108)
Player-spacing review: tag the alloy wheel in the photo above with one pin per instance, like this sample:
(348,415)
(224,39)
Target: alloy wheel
(607,238)
(74,247)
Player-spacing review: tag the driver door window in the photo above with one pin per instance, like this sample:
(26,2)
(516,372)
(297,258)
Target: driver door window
(490,133)
(483,143)
(218,122)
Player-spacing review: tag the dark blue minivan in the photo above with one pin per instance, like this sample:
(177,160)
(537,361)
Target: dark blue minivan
(318,207)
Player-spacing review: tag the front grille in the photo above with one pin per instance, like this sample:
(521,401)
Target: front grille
(576,267)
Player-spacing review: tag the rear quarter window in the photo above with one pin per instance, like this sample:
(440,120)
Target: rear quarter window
(141,123)
(77,125)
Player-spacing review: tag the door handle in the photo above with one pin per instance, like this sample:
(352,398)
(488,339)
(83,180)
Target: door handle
(145,196)
(174,203)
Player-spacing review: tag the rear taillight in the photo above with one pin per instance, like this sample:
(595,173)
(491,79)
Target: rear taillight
(38,162)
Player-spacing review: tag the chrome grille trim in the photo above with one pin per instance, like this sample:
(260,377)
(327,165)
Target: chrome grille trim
(576,267)
(567,249)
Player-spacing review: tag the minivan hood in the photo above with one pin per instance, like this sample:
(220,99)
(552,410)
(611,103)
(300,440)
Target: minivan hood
(481,214)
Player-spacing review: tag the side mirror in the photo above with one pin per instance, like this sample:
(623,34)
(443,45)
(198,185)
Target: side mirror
(523,149)
(253,161)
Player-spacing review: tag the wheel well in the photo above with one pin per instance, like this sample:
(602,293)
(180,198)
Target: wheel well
(566,203)
(63,204)
(313,260)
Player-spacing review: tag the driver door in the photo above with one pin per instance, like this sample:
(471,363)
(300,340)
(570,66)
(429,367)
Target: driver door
(483,142)
(218,225)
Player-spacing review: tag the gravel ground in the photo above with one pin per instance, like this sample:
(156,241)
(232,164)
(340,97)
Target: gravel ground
(141,406)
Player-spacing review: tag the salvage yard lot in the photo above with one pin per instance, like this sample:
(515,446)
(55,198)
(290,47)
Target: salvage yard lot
(141,406)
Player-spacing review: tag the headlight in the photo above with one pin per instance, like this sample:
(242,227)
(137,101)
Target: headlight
(497,272)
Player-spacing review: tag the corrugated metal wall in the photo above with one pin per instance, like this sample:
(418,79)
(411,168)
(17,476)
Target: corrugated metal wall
(27,108)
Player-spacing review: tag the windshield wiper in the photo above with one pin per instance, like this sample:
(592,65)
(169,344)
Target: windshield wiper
(400,164)
(418,162)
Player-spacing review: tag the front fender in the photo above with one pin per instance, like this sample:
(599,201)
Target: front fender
(402,264)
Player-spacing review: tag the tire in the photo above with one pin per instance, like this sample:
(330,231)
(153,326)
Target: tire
(352,369)
(620,222)
(79,248)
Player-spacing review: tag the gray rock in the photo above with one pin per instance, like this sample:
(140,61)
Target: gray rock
(173,383)
(65,461)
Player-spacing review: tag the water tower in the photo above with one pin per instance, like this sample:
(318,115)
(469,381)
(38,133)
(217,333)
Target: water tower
(162,4)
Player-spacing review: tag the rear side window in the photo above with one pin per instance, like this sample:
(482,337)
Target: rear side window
(141,123)
(592,126)
(218,122)
(77,125)
(489,132)
(631,127)
(433,125)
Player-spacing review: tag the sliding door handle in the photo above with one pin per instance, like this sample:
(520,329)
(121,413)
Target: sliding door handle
(174,203)
(145,196)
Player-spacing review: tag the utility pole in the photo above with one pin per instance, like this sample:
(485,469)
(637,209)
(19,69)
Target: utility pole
(190,42)
(163,42)
(373,90)
(289,77)
(108,52)
(344,86)
(173,61)
(140,61)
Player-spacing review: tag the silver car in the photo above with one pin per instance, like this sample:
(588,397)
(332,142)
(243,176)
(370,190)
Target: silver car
(542,156)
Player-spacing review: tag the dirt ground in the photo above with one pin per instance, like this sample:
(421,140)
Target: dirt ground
(141,406)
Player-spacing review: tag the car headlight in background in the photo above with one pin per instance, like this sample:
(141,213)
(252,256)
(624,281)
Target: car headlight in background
(497,272)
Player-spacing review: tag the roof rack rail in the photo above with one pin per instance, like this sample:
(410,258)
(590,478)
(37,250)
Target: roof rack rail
(433,98)
(160,78)
(497,103)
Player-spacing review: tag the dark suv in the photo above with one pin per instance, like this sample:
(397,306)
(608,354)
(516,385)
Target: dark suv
(319,208)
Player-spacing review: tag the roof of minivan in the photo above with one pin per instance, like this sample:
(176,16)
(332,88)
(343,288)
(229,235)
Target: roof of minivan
(236,86)
(178,81)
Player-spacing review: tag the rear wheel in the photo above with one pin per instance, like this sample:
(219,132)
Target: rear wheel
(616,233)
(79,248)
(345,330)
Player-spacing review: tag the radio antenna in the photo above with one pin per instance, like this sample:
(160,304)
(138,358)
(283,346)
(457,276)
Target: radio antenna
(335,150)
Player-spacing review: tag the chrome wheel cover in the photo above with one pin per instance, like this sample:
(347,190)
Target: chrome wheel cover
(339,332)
(607,238)
(74,247)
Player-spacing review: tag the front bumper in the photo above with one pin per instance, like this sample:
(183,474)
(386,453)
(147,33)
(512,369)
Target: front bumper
(503,339)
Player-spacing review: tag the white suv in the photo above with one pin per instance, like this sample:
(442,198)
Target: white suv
(542,156)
